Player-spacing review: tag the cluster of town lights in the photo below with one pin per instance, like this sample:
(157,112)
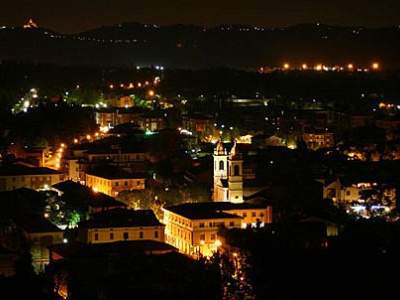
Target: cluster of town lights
(132,85)
(321,67)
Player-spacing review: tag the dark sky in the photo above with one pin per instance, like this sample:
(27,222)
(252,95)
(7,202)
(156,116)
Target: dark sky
(78,15)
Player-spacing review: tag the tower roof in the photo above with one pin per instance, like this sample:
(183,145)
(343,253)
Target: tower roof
(220,149)
(234,153)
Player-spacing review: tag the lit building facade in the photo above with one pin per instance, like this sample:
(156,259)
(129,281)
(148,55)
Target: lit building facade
(19,176)
(112,184)
(317,140)
(121,225)
(193,227)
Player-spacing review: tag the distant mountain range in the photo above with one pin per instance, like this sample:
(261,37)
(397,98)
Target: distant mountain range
(185,46)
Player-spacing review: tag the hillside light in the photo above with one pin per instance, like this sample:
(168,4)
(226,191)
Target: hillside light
(375,66)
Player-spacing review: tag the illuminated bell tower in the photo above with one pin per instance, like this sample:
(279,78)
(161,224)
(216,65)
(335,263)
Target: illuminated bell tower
(235,176)
(220,172)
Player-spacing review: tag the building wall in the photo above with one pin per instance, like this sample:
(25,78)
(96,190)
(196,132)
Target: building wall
(119,157)
(9,183)
(122,102)
(115,186)
(108,235)
(115,118)
(315,141)
(195,237)
(152,124)
(73,170)
(39,247)
(253,216)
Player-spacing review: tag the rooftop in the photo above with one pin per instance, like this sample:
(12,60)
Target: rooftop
(37,224)
(110,172)
(210,210)
(122,218)
(93,199)
(18,170)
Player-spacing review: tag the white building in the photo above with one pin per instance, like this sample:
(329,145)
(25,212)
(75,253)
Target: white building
(228,174)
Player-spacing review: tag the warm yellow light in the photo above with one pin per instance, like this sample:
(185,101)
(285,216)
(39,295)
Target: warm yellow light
(139,84)
(75,141)
(304,66)
(318,67)
(350,66)
(202,242)
(104,129)
(218,243)
(375,66)
(151,93)
(95,189)
(62,145)
(286,66)
(88,137)
(111,86)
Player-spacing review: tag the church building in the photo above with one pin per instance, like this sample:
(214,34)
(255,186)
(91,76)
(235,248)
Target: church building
(228,174)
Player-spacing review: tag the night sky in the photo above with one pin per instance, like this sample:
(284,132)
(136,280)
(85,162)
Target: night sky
(78,15)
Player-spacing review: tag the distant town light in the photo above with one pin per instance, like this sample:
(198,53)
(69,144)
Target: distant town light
(304,66)
(350,66)
(375,66)
(286,66)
